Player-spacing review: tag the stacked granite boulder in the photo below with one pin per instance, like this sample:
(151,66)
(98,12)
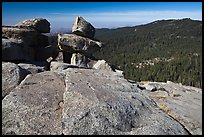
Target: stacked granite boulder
(25,50)
(25,41)
(79,46)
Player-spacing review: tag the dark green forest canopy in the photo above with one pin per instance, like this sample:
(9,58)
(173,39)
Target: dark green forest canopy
(159,51)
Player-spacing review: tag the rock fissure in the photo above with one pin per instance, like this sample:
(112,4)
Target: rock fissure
(181,125)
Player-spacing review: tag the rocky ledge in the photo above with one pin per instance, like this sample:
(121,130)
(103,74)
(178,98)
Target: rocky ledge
(71,100)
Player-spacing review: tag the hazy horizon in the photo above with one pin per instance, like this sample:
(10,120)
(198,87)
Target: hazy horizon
(99,14)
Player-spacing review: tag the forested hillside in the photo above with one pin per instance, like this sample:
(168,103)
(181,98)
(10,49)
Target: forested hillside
(159,51)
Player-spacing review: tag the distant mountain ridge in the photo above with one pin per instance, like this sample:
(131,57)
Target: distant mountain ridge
(180,39)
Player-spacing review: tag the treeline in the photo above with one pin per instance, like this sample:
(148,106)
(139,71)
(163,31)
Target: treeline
(177,39)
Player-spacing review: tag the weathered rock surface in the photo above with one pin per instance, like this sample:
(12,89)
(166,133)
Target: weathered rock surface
(59,66)
(103,65)
(89,102)
(183,103)
(41,41)
(25,43)
(80,48)
(16,49)
(43,53)
(79,60)
(12,75)
(28,36)
(22,42)
(83,28)
(148,86)
(60,57)
(67,57)
(108,104)
(63,57)
(76,44)
(39,24)
(35,107)
(34,66)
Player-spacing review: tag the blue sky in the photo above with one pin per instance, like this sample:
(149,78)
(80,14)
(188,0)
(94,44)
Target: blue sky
(99,14)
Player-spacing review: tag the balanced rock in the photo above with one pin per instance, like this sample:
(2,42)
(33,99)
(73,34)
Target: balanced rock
(80,48)
(83,28)
(39,24)
(76,44)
